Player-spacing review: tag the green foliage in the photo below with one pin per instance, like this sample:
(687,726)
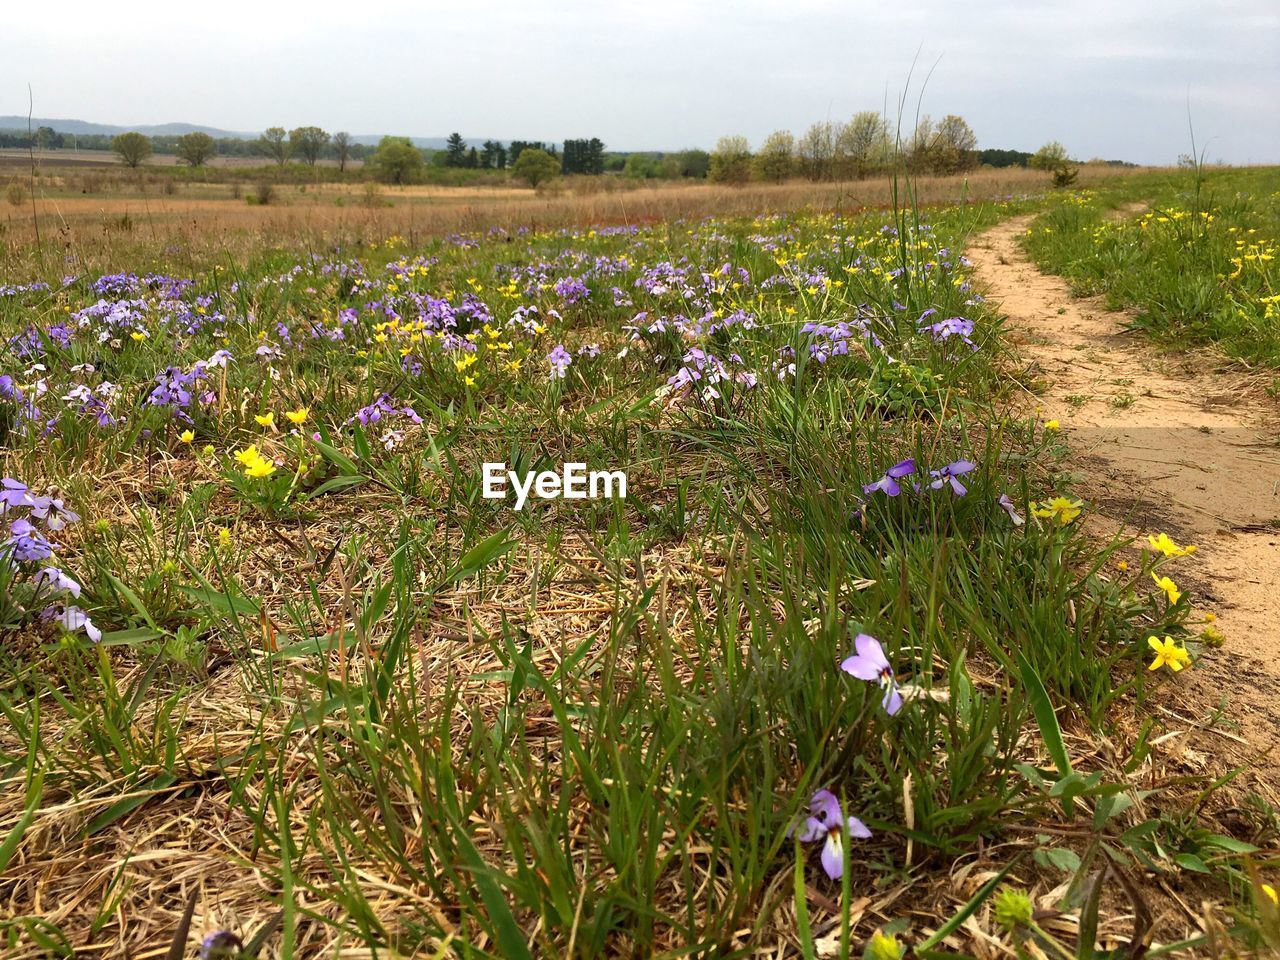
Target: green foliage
(396,160)
(308,143)
(132,148)
(195,149)
(730,161)
(535,166)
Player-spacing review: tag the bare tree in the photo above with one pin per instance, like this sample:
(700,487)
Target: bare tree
(863,144)
(817,150)
(274,144)
(342,145)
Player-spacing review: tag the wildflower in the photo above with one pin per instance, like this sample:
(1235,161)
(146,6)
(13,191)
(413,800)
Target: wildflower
(208,450)
(870,663)
(1013,908)
(1210,617)
(827,820)
(1270,891)
(260,469)
(889,482)
(299,416)
(1168,654)
(73,619)
(1122,566)
(1162,543)
(53,512)
(1060,509)
(1052,425)
(884,946)
(58,581)
(1212,637)
(221,945)
(1169,587)
(13,493)
(26,544)
(1007,505)
(265,420)
(559,359)
(224,537)
(949,473)
(186,436)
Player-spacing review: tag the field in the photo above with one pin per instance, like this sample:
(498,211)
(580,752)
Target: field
(900,643)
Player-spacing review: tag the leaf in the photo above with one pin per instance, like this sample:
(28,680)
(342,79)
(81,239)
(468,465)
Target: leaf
(965,912)
(133,601)
(1050,732)
(333,485)
(1189,861)
(481,555)
(138,797)
(506,931)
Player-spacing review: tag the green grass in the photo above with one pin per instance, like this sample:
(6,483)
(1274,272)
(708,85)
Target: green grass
(1197,265)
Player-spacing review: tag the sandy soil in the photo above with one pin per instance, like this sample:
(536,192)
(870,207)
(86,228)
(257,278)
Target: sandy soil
(1173,442)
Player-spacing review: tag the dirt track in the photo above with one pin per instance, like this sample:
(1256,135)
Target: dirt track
(1163,442)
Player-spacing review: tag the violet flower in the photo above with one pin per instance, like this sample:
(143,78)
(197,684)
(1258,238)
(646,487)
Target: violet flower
(1007,505)
(889,482)
(870,663)
(949,473)
(827,821)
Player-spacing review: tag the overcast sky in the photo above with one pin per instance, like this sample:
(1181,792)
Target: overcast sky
(1108,78)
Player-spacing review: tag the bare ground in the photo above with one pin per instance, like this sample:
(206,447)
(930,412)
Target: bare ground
(1171,441)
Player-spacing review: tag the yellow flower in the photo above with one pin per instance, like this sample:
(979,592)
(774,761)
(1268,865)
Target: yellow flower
(224,537)
(469,381)
(298,416)
(1060,509)
(259,469)
(1164,544)
(1270,891)
(1169,587)
(1210,617)
(248,455)
(1122,566)
(1052,425)
(1212,637)
(208,450)
(186,436)
(1168,654)
(266,419)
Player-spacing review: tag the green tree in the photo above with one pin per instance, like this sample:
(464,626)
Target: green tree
(776,160)
(342,148)
(731,160)
(274,144)
(694,163)
(133,148)
(1054,159)
(455,151)
(396,160)
(535,166)
(308,143)
(195,149)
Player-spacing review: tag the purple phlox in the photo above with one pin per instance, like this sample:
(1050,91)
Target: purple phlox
(26,544)
(827,822)
(949,473)
(559,358)
(870,663)
(888,484)
(53,512)
(1007,505)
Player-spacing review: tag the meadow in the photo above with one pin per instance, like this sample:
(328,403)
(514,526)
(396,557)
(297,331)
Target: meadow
(843,674)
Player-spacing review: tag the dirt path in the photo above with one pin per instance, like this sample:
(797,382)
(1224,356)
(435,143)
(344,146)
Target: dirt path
(1163,442)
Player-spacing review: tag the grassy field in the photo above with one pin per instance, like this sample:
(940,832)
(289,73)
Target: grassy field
(1195,256)
(273,664)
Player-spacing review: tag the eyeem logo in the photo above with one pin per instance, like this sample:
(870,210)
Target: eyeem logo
(574,483)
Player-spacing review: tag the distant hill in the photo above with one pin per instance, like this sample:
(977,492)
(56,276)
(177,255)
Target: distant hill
(83,128)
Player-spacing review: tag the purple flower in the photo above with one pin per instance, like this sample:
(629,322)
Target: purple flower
(26,544)
(889,482)
(1007,505)
(559,359)
(73,619)
(13,493)
(53,512)
(949,473)
(870,663)
(58,581)
(827,822)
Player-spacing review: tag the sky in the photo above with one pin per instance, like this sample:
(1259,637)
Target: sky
(1108,78)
